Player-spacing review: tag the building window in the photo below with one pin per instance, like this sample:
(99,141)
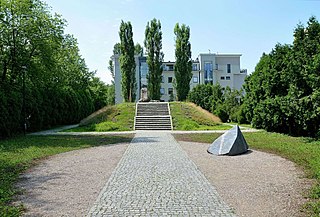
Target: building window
(170,91)
(217,67)
(194,67)
(143,73)
(169,79)
(162,79)
(195,79)
(228,68)
(162,91)
(170,67)
(222,77)
(228,78)
(208,73)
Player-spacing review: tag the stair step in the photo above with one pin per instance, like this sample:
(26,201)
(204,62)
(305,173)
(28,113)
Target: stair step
(152,128)
(153,116)
(157,122)
(153,122)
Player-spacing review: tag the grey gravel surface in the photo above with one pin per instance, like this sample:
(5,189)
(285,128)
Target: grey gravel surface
(254,184)
(156,177)
(68,184)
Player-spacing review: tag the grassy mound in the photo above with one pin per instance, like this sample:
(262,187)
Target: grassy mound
(110,118)
(188,116)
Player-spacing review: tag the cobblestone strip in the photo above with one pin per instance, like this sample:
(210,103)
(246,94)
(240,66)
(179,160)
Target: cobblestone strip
(155,177)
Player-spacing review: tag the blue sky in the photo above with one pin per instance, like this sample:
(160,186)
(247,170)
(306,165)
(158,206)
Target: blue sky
(226,26)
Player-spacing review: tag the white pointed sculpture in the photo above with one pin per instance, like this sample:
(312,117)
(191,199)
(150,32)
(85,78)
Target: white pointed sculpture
(231,142)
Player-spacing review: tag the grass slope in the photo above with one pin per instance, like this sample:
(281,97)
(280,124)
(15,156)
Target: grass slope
(19,154)
(305,152)
(188,116)
(110,118)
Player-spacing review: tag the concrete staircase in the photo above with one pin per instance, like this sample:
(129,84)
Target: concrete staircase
(153,116)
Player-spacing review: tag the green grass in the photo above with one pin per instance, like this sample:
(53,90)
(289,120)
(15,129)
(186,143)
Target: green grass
(19,154)
(187,116)
(305,152)
(242,125)
(111,118)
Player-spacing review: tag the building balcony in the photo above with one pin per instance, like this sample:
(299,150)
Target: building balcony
(243,71)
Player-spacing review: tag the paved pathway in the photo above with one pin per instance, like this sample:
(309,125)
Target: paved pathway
(57,133)
(155,177)
(54,131)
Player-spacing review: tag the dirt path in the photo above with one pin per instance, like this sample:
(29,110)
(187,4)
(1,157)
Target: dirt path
(254,184)
(68,184)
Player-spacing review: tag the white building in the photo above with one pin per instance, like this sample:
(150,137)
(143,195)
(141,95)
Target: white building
(207,69)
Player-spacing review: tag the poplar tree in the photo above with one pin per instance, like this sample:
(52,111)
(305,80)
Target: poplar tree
(138,49)
(183,66)
(153,45)
(127,63)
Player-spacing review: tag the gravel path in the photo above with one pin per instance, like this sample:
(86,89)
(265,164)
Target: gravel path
(68,184)
(254,184)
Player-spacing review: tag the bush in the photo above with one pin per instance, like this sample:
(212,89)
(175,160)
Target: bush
(241,116)
(202,95)
(222,113)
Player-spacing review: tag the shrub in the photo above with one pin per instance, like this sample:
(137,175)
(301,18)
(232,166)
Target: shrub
(221,112)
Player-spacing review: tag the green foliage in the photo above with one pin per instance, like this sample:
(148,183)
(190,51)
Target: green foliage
(183,66)
(226,104)
(19,154)
(239,115)
(303,151)
(202,95)
(127,63)
(110,94)
(221,112)
(231,100)
(138,49)
(59,88)
(153,45)
(283,93)
(117,49)
(111,68)
(102,94)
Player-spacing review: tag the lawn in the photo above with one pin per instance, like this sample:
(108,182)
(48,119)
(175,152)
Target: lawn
(119,117)
(19,154)
(188,116)
(305,152)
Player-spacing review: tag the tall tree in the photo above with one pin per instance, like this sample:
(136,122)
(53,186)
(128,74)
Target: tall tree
(116,49)
(183,66)
(283,93)
(127,63)
(153,45)
(111,88)
(138,49)
(43,78)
